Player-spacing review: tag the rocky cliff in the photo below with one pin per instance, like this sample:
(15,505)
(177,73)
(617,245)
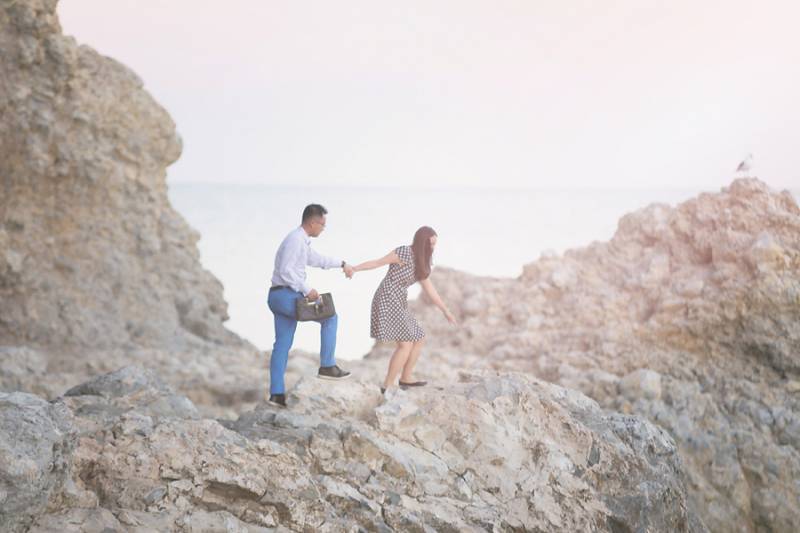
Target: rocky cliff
(689,316)
(91,253)
(97,270)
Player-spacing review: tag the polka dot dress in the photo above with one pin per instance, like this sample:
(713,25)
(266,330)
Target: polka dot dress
(391,320)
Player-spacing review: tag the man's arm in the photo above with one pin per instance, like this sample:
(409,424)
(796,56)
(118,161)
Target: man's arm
(320,261)
(296,282)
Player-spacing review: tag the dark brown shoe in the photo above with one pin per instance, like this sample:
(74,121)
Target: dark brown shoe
(278,399)
(404,385)
(332,372)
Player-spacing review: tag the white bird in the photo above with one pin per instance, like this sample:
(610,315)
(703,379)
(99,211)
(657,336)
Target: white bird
(745,166)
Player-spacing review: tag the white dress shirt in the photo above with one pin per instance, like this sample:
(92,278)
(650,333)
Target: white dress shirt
(294,254)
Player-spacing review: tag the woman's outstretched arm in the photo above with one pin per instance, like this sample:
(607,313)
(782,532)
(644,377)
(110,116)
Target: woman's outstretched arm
(430,290)
(388,259)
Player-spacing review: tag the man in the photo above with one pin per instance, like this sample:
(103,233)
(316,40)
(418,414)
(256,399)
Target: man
(289,284)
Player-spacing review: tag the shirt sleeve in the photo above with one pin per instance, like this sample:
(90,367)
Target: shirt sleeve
(298,285)
(320,261)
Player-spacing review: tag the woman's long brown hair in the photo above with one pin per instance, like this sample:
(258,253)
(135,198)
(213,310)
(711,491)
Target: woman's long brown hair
(423,252)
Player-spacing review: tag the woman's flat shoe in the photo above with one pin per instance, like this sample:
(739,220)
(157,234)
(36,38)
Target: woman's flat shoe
(413,384)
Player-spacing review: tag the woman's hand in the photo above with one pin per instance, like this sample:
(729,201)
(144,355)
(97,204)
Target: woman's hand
(450,318)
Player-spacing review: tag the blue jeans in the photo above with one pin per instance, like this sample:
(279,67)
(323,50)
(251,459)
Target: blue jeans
(282,304)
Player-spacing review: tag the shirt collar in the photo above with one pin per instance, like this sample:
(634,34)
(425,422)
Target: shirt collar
(306,238)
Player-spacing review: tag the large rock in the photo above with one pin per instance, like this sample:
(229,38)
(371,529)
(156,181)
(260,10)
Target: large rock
(689,316)
(91,252)
(97,271)
(130,390)
(144,461)
(36,442)
(491,452)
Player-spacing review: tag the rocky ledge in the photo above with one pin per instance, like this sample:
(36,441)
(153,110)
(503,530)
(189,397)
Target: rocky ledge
(502,452)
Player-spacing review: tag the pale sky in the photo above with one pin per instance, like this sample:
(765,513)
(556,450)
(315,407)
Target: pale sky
(557,93)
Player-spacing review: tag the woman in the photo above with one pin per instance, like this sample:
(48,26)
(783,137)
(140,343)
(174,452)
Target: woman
(391,319)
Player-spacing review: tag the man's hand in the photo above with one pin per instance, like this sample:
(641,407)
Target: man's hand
(348,271)
(312,295)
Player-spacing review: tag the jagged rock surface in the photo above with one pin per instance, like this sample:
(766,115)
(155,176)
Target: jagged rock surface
(36,441)
(689,316)
(491,452)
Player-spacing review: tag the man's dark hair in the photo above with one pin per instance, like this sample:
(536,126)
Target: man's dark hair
(312,211)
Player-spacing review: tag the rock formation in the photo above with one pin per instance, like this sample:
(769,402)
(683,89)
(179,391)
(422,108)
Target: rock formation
(491,452)
(91,253)
(689,316)
(97,270)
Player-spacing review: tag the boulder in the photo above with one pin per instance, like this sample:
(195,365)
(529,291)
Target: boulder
(36,442)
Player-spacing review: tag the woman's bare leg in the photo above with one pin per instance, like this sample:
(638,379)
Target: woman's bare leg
(396,363)
(408,368)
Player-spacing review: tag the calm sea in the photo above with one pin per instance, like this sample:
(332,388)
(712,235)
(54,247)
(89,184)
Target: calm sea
(486,232)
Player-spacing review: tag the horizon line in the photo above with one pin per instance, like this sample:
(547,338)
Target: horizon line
(512,188)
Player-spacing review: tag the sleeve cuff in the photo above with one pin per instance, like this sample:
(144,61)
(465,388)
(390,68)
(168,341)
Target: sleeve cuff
(300,287)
